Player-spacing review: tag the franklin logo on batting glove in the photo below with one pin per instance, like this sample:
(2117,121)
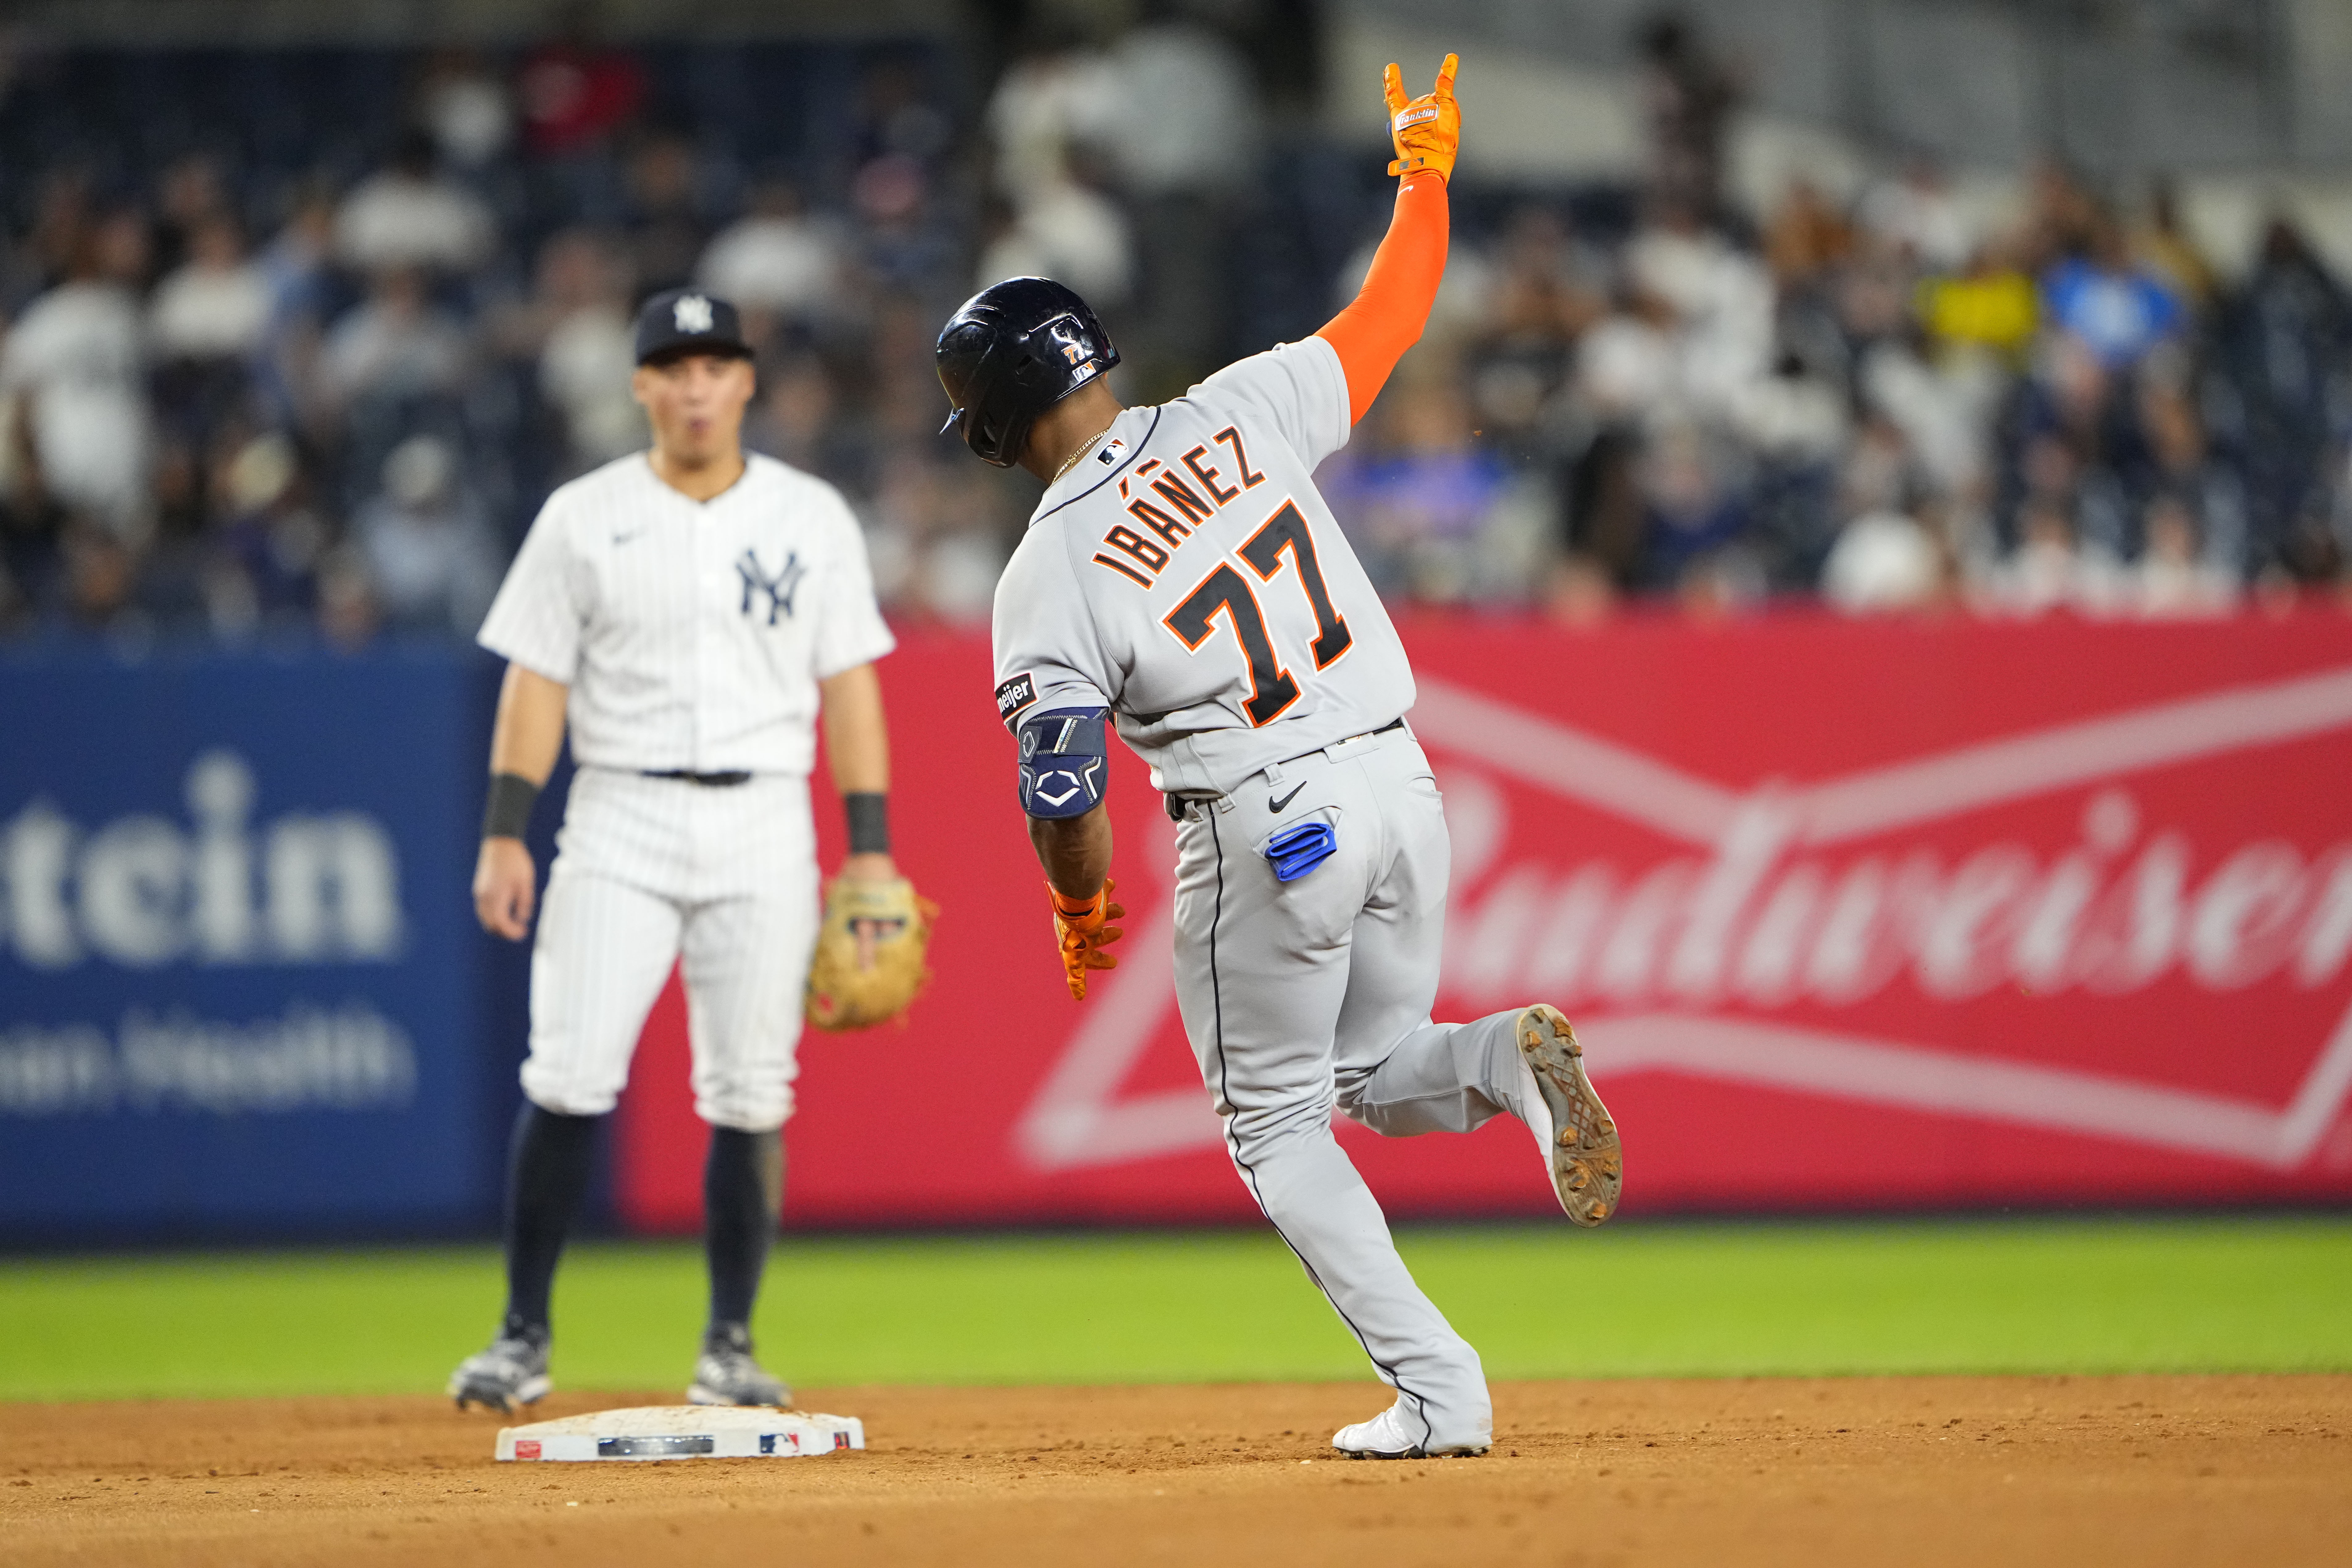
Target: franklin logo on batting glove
(1427,130)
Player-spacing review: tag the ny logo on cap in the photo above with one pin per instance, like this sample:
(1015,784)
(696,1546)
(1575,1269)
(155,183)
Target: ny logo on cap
(691,313)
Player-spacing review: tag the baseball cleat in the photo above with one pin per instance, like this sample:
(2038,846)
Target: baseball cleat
(727,1373)
(511,1372)
(1582,1147)
(1383,1437)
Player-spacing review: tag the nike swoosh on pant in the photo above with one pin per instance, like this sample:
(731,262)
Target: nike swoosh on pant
(1275,806)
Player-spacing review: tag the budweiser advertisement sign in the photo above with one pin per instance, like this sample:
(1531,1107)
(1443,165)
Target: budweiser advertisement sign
(1848,914)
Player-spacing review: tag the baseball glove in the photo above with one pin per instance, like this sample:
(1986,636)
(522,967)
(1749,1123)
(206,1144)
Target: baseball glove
(868,963)
(1082,929)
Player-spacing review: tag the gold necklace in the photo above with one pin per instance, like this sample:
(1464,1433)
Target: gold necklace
(1071,461)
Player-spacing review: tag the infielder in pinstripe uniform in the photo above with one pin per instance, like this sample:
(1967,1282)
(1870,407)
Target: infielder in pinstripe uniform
(690,611)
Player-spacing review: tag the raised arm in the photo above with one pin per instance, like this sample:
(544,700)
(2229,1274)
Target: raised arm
(1387,314)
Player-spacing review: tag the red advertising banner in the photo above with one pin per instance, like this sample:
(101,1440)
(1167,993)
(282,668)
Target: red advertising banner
(1849,914)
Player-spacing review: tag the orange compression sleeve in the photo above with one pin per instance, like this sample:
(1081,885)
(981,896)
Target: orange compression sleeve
(1387,314)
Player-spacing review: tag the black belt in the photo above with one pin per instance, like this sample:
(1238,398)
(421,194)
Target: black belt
(728,780)
(1358,735)
(1177,804)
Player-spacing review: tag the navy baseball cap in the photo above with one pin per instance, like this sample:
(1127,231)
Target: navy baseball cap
(688,320)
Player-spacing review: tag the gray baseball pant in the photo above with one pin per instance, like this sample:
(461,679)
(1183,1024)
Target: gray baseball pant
(1304,996)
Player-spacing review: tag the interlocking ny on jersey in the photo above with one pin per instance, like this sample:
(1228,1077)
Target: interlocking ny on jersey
(1187,576)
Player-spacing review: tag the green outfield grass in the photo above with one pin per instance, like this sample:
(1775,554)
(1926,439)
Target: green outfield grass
(2172,1295)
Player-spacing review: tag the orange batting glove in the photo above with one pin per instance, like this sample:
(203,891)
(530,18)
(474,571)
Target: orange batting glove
(1428,130)
(1083,928)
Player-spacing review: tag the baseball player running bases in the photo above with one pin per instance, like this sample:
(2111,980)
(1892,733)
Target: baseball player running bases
(691,613)
(1182,580)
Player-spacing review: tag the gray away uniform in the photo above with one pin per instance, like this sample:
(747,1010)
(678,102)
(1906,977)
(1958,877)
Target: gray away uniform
(1187,576)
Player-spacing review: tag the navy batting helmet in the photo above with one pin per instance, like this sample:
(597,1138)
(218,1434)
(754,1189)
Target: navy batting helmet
(1016,349)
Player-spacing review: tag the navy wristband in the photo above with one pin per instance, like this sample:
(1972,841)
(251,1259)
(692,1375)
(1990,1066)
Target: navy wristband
(869,822)
(506,814)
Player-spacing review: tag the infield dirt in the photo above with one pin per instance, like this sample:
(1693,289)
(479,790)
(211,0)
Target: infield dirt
(2143,1470)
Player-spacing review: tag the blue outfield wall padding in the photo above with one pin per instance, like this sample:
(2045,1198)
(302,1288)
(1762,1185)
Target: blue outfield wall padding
(242,993)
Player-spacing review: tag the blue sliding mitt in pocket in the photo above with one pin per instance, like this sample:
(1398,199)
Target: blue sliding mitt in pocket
(1295,851)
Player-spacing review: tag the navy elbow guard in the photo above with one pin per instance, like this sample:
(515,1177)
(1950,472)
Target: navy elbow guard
(1064,759)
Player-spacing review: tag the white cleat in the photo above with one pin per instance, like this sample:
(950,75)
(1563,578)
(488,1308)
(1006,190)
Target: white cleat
(1586,1157)
(1383,1437)
(510,1373)
(728,1373)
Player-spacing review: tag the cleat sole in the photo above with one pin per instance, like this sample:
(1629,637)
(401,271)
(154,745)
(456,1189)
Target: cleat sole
(1588,1161)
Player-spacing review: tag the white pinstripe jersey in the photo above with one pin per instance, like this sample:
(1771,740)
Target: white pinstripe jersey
(692,633)
(1187,574)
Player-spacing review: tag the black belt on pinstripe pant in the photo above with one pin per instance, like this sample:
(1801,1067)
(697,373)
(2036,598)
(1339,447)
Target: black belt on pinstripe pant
(727,780)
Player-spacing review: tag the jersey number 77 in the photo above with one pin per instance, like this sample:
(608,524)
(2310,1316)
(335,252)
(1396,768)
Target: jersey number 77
(1226,591)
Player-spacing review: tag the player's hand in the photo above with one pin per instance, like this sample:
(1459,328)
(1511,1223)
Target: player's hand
(506,888)
(867,868)
(1426,129)
(1082,926)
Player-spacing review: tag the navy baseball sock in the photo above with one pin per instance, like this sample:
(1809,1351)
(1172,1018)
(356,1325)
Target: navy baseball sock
(547,1176)
(743,1190)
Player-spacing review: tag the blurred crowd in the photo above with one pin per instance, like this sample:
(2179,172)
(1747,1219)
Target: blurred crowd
(280,381)
(1886,400)
(250,396)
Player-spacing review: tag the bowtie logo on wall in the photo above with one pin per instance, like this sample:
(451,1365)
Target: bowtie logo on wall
(777,588)
(1696,966)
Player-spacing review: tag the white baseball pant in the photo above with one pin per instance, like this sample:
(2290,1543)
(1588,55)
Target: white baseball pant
(651,871)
